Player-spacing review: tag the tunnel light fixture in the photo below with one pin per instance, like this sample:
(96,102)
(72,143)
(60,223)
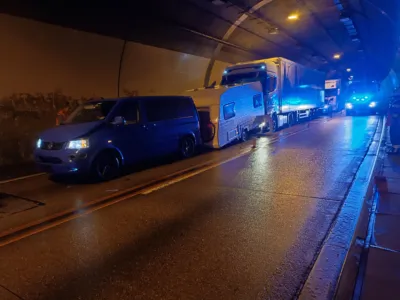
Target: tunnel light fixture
(336,56)
(293,17)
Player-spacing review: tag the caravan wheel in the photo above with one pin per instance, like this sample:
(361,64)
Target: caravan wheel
(244,136)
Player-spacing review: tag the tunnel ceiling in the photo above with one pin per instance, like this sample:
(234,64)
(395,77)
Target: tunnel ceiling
(363,32)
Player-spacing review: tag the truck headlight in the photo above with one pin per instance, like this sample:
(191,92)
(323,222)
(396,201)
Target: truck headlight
(372,104)
(349,105)
(39,143)
(78,144)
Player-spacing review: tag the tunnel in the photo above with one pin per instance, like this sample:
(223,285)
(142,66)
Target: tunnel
(181,183)
(73,51)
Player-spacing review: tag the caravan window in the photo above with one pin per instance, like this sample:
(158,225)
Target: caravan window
(229,111)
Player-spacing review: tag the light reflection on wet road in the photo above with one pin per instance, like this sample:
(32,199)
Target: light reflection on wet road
(247,229)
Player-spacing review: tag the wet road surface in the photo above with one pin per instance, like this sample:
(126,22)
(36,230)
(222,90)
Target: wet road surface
(247,229)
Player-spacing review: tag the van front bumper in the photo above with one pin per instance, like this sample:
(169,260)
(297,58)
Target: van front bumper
(63,161)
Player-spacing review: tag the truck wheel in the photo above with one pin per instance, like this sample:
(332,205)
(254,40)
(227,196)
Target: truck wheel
(274,125)
(290,119)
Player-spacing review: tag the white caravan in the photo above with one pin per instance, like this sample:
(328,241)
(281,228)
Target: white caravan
(229,113)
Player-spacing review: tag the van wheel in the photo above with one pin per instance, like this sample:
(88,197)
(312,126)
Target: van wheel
(187,147)
(106,166)
(244,136)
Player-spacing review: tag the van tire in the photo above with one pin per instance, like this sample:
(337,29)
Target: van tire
(106,166)
(187,147)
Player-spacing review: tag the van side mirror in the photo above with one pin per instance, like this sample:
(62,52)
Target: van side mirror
(118,120)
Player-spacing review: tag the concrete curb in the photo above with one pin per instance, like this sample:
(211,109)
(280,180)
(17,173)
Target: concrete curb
(324,276)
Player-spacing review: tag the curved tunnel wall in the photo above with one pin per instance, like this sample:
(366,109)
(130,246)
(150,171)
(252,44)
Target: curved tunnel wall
(43,66)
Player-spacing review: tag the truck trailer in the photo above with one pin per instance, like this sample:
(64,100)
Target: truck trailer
(291,91)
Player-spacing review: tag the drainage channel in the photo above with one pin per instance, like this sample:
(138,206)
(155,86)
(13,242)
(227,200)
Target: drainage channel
(11,204)
(369,240)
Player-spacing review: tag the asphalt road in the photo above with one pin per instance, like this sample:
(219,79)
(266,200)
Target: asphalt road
(247,229)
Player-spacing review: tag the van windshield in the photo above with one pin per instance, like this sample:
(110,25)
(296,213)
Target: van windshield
(91,112)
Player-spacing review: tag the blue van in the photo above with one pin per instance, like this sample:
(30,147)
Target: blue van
(102,136)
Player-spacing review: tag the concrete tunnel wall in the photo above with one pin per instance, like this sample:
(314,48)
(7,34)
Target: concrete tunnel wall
(43,66)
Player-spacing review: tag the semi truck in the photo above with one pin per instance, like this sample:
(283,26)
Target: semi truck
(291,91)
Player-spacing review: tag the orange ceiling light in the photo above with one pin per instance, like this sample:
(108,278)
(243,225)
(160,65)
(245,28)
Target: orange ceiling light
(293,17)
(336,56)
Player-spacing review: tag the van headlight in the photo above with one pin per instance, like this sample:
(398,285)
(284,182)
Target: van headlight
(78,144)
(39,143)
(372,104)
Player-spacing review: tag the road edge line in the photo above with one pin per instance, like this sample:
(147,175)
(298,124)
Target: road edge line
(323,279)
(21,178)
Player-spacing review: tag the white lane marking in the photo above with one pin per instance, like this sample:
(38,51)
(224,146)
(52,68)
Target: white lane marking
(187,176)
(21,178)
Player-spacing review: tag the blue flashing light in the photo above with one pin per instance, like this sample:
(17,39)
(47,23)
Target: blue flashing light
(372,104)
(74,170)
(304,86)
(354,98)
(225,71)
(349,105)
(263,67)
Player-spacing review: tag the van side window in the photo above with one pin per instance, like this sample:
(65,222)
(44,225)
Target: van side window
(130,111)
(229,111)
(168,108)
(257,100)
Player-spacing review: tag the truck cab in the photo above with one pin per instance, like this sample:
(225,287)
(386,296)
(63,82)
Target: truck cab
(261,71)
